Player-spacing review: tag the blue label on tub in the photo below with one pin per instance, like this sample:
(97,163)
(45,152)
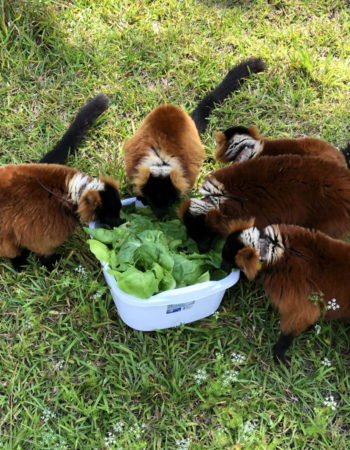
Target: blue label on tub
(179,307)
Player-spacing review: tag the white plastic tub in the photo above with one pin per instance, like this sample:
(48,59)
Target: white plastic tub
(169,308)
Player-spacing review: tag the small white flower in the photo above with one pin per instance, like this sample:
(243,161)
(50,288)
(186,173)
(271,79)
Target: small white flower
(137,430)
(156,27)
(229,377)
(110,440)
(97,295)
(219,356)
(330,402)
(48,415)
(222,430)
(29,324)
(200,376)
(216,315)
(317,328)
(81,269)
(53,441)
(59,365)
(118,427)
(183,444)
(326,362)
(246,430)
(237,358)
(332,304)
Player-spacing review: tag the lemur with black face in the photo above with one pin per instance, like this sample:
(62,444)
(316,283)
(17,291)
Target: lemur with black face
(275,189)
(41,204)
(305,273)
(238,144)
(165,155)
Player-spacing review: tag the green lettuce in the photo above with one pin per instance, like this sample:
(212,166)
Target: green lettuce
(147,256)
(137,283)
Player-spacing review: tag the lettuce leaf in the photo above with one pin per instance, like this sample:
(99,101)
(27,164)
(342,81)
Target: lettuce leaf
(100,250)
(186,272)
(135,282)
(148,256)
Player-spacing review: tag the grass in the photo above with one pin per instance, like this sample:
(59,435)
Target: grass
(72,375)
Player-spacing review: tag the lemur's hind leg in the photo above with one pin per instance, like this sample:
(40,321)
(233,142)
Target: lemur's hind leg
(297,315)
(280,348)
(283,344)
(49,261)
(19,262)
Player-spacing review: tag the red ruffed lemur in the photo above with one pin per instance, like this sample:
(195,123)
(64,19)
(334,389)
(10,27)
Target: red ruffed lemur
(305,273)
(275,189)
(165,155)
(41,204)
(239,144)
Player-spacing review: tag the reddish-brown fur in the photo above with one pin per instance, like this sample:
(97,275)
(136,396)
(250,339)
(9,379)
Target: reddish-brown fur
(321,269)
(183,207)
(169,129)
(247,260)
(305,146)
(284,189)
(31,217)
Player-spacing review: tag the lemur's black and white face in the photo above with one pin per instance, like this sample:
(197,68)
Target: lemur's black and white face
(214,196)
(267,243)
(241,145)
(97,199)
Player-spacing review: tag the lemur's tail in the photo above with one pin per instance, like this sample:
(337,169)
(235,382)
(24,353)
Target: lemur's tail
(75,133)
(229,84)
(346,153)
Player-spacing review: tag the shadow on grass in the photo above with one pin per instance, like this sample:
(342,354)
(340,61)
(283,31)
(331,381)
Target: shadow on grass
(34,28)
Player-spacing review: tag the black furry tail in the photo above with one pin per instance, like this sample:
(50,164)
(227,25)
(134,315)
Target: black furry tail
(346,153)
(229,84)
(75,133)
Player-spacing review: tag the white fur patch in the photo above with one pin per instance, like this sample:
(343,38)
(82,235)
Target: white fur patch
(159,163)
(160,171)
(212,187)
(79,183)
(271,245)
(250,238)
(199,207)
(214,191)
(242,147)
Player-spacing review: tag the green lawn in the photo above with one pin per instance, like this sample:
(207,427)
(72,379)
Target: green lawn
(72,375)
